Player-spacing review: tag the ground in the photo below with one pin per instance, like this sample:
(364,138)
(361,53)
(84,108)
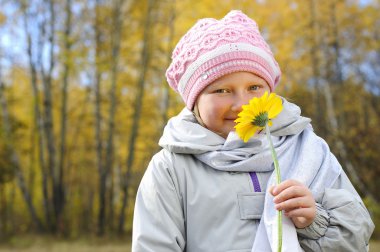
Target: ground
(49,244)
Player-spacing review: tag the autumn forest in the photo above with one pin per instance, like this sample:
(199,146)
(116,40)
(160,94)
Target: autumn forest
(84,99)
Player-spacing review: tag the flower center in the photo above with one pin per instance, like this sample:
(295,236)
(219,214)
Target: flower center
(261,119)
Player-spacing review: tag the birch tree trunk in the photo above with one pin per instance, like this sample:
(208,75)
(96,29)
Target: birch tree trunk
(58,197)
(64,99)
(315,64)
(115,47)
(48,125)
(136,114)
(336,44)
(38,119)
(338,74)
(166,88)
(98,122)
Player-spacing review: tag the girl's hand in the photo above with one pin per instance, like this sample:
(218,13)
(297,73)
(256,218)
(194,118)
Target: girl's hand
(296,200)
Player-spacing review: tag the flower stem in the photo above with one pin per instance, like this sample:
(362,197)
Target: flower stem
(278,181)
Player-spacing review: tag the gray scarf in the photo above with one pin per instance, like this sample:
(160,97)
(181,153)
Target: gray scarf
(303,156)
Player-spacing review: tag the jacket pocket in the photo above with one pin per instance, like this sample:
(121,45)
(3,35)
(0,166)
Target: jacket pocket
(251,205)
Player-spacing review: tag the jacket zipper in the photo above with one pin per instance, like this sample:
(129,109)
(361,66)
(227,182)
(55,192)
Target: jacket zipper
(255,181)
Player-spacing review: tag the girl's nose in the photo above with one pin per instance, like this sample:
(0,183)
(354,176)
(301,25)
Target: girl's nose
(239,101)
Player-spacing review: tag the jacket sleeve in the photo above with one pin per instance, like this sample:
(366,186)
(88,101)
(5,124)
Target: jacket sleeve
(158,222)
(342,222)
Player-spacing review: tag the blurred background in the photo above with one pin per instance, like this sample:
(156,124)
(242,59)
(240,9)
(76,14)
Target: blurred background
(84,99)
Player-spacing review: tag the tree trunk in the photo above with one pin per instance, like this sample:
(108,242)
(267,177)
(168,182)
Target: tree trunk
(338,75)
(110,196)
(166,88)
(103,164)
(48,126)
(58,197)
(136,115)
(336,44)
(32,165)
(116,34)
(98,122)
(315,64)
(66,72)
(38,120)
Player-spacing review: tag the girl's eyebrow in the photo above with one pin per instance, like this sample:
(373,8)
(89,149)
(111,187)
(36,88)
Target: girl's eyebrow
(217,85)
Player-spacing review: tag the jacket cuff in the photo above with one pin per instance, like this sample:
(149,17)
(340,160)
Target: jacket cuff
(318,227)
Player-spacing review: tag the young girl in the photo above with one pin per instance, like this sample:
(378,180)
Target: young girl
(207,190)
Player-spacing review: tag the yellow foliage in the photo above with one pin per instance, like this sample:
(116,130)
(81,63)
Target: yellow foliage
(288,27)
(2,18)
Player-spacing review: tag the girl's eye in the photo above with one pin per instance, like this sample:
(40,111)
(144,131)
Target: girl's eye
(254,87)
(221,91)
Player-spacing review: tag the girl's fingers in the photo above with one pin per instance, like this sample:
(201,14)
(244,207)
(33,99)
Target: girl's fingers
(293,203)
(283,185)
(296,200)
(291,192)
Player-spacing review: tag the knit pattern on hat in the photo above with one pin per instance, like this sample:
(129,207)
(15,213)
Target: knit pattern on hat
(213,48)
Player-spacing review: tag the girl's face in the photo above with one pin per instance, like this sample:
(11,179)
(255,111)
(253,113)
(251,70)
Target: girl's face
(220,102)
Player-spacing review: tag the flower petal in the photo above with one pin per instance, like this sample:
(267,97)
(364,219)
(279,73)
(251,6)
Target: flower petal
(250,133)
(275,109)
(252,113)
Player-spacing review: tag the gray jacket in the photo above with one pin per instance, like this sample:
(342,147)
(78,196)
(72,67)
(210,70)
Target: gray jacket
(184,204)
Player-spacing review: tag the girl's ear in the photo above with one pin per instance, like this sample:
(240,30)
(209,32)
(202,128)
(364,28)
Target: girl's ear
(197,115)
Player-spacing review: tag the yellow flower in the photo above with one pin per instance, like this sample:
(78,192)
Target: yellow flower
(257,114)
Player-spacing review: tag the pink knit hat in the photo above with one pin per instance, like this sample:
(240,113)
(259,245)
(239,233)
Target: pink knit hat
(213,48)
